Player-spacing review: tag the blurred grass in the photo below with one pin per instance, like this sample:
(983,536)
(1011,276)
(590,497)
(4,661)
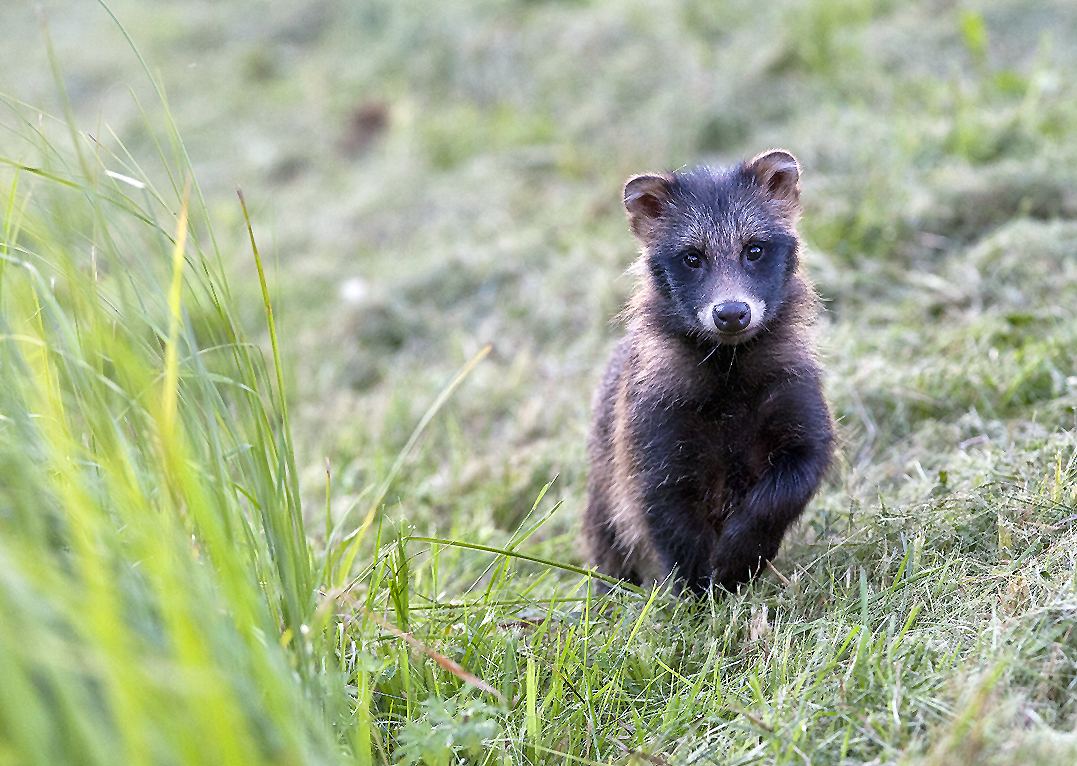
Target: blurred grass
(427,180)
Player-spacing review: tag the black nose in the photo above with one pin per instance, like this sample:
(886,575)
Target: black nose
(732,317)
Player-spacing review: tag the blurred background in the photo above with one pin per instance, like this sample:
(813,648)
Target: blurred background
(429,177)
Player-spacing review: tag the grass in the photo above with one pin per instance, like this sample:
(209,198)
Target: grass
(299,482)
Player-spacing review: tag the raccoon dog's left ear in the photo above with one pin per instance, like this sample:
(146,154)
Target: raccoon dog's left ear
(646,198)
(778,173)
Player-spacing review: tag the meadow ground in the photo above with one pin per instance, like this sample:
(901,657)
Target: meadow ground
(431,185)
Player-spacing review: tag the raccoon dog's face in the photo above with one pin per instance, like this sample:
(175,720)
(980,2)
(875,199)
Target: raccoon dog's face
(718,244)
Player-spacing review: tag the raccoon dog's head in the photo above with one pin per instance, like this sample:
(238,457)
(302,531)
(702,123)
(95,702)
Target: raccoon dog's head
(719,247)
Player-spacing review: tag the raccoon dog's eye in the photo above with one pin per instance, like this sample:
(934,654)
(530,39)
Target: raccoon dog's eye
(753,252)
(692,259)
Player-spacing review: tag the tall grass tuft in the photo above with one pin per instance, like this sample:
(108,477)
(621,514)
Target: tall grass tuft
(158,596)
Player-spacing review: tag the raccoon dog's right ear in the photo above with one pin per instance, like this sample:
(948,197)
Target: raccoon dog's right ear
(646,198)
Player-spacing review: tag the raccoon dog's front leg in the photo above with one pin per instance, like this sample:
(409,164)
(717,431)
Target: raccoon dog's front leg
(674,499)
(798,440)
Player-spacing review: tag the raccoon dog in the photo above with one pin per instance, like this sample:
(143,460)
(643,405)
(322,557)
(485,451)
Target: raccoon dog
(710,430)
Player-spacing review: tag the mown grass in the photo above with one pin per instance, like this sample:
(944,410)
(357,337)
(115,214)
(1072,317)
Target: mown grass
(182,580)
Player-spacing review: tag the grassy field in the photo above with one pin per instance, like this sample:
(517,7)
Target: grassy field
(346,530)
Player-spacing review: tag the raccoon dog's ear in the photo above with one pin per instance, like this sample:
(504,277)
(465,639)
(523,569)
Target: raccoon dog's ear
(646,198)
(778,173)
